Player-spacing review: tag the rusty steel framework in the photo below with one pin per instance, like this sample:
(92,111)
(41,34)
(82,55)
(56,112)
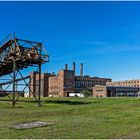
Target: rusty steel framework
(15,55)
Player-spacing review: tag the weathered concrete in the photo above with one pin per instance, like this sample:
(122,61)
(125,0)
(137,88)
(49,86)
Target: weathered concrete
(28,125)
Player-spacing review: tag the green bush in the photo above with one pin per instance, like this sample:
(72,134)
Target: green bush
(86,93)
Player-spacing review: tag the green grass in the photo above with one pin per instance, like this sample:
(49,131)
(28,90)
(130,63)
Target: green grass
(80,118)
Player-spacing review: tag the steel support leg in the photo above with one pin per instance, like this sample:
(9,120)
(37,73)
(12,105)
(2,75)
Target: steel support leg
(39,88)
(14,77)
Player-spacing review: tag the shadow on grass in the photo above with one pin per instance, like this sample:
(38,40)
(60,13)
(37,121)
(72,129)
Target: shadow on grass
(4,99)
(53,101)
(67,102)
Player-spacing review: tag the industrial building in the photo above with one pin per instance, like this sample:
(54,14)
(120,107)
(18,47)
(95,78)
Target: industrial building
(113,91)
(66,82)
(126,83)
(34,83)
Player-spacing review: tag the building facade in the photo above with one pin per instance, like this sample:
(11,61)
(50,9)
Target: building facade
(86,82)
(113,91)
(66,82)
(99,91)
(34,83)
(126,83)
(62,84)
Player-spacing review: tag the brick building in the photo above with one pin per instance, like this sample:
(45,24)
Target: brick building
(126,83)
(62,83)
(115,91)
(99,91)
(86,82)
(34,82)
(66,82)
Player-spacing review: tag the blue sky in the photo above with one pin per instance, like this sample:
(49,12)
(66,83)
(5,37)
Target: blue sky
(105,36)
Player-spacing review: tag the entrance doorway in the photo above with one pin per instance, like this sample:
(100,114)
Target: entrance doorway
(109,93)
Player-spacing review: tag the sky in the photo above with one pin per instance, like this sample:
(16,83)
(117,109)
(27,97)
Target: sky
(105,36)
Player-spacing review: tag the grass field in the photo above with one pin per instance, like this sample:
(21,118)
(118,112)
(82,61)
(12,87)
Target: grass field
(80,118)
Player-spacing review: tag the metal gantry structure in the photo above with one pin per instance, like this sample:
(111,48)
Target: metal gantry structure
(17,55)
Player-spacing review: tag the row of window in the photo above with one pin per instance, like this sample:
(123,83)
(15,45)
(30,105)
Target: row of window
(84,84)
(124,85)
(128,82)
(69,75)
(91,79)
(84,78)
(68,85)
(126,94)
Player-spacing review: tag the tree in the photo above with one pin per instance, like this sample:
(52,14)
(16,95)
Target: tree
(86,93)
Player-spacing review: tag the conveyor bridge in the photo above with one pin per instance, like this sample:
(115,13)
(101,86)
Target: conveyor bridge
(16,55)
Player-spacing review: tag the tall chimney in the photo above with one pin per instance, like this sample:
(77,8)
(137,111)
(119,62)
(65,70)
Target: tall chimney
(81,69)
(74,67)
(66,66)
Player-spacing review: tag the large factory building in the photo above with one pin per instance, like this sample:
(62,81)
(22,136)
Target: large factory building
(65,82)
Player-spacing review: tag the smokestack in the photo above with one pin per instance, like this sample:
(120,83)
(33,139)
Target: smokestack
(66,66)
(81,69)
(74,67)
